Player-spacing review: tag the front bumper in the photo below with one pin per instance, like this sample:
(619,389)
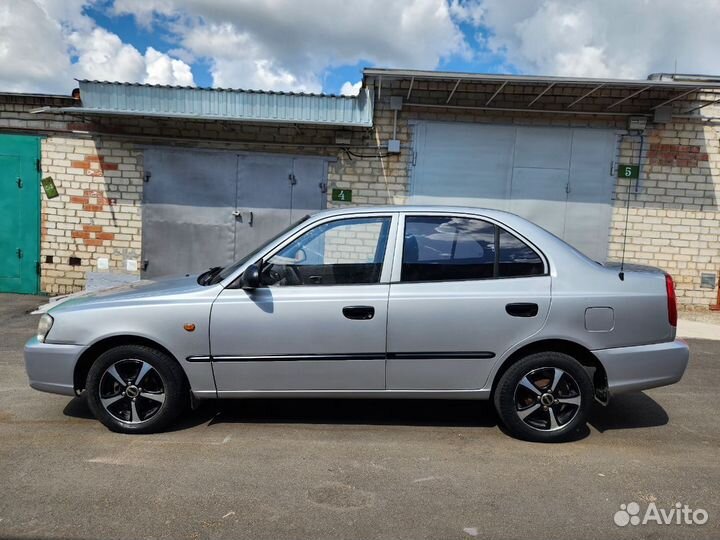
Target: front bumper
(644,366)
(50,367)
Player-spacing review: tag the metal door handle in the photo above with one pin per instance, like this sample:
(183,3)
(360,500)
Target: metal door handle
(522,309)
(315,279)
(250,222)
(19,253)
(359,313)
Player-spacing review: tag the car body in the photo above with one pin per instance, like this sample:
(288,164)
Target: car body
(392,302)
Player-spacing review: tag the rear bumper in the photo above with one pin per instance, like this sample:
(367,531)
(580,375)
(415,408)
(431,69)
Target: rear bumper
(645,366)
(50,367)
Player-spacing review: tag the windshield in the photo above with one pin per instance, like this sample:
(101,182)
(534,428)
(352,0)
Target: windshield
(230,269)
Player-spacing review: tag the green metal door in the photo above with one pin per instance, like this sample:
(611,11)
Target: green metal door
(19,214)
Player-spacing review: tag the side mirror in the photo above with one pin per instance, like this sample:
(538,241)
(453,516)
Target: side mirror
(251,277)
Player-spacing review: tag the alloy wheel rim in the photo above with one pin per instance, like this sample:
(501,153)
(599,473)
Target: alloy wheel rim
(132,391)
(547,399)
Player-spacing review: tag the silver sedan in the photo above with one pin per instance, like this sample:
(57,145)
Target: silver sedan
(389,302)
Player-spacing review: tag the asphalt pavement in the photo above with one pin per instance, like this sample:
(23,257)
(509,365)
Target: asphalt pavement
(353,468)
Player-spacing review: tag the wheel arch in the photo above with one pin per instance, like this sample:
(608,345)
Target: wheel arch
(580,353)
(89,355)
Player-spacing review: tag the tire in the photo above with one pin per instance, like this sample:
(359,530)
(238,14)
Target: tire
(127,405)
(544,397)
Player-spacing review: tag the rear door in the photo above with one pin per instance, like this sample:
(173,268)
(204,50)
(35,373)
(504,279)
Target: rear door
(463,291)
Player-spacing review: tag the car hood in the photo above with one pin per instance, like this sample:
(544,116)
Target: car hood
(140,290)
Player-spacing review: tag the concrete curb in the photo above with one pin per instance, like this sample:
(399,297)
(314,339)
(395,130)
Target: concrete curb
(698,330)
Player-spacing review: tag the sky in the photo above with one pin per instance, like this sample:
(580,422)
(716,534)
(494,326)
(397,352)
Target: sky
(323,45)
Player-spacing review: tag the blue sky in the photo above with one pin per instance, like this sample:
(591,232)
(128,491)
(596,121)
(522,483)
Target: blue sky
(332,79)
(322,45)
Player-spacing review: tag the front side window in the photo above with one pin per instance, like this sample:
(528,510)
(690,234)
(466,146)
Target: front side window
(341,252)
(446,248)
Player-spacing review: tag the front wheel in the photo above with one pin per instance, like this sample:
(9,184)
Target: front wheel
(136,389)
(544,397)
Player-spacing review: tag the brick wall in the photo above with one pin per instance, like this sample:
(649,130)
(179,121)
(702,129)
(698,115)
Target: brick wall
(97,165)
(97,214)
(673,220)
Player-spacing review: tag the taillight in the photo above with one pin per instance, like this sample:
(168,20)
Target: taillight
(671,300)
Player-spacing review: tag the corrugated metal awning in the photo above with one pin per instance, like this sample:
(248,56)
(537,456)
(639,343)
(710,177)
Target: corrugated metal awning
(126,99)
(543,94)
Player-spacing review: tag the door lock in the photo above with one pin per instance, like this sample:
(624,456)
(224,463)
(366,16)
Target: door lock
(19,253)
(236,213)
(19,183)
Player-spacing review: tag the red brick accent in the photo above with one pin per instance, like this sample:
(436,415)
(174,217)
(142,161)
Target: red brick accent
(92,228)
(675,155)
(79,200)
(94,165)
(92,207)
(104,236)
(92,242)
(80,234)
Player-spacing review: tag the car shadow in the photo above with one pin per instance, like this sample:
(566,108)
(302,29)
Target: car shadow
(628,411)
(381,412)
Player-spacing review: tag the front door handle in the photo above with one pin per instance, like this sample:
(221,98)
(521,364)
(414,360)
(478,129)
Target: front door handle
(522,309)
(359,313)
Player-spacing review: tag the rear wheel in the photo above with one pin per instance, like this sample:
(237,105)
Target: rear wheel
(136,389)
(544,397)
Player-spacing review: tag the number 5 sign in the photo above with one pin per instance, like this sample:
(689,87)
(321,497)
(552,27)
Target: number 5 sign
(628,171)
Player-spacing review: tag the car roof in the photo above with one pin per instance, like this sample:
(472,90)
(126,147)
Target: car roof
(499,214)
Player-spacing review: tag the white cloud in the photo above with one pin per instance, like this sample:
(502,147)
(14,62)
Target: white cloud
(44,44)
(350,89)
(32,50)
(604,38)
(161,69)
(288,45)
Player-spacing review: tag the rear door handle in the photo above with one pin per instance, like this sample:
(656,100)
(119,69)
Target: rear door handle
(359,313)
(522,309)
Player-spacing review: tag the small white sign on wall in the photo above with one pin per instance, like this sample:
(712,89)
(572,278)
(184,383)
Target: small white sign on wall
(103,263)
(131,265)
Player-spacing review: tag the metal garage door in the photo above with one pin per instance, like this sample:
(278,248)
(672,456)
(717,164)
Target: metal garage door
(560,178)
(19,213)
(206,208)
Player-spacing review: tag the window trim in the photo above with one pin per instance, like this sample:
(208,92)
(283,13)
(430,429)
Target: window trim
(388,256)
(400,241)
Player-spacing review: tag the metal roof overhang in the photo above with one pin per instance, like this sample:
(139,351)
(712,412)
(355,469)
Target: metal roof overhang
(645,96)
(124,99)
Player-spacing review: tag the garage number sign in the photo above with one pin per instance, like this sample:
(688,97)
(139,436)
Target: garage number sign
(628,171)
(342,195)
(49,187)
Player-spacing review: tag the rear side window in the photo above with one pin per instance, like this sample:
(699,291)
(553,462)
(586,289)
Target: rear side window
(445,248)
(516,258)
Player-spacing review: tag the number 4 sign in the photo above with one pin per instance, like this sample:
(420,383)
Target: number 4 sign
(342,195)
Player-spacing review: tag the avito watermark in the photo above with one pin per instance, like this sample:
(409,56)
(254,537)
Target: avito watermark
(678,514)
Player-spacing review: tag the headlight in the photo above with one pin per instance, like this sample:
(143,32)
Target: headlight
(44,326)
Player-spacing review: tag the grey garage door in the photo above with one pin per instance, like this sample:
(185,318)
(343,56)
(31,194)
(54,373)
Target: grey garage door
(559,178)
(206,208)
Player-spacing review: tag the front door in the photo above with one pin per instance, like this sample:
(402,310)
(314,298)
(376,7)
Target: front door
(19,214)
(463,291)
(319,320)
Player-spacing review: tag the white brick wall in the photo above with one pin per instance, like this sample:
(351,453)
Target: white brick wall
(674,220)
